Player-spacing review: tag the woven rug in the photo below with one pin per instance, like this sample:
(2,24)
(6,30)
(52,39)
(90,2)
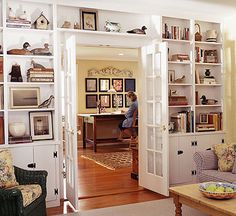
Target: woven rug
(112,160)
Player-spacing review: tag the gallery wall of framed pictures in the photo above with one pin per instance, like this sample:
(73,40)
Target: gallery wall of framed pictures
(98,89)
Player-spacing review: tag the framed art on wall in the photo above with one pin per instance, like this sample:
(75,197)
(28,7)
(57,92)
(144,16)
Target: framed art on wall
(91,84)
(91,101)
(41,125)
(117,84)
(130,85)
(127,101)
(105,100)
(89,19)
(117,99)
(24,97)
(104,84)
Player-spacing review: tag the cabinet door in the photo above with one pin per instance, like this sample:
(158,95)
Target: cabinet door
(46,160)
(174,162)
(22,157)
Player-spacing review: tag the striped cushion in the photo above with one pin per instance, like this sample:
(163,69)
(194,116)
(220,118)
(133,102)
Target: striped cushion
(215,175)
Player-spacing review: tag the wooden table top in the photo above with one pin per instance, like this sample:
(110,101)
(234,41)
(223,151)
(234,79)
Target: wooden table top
(192,193)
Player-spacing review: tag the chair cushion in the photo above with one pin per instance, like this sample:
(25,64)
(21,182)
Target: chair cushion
(29,193)
(226,155)
(7,175)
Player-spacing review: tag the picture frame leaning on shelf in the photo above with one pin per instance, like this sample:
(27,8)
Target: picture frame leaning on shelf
(89,19)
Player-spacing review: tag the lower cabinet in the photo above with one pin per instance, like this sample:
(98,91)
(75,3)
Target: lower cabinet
(43,157)
(182,148)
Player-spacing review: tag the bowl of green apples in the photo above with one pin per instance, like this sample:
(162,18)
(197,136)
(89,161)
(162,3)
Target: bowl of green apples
(218,190)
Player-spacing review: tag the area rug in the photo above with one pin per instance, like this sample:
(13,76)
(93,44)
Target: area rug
(164,207)
(111,160)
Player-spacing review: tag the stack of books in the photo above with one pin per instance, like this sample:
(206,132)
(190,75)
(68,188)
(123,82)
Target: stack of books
(175,32)
(40,75)
(18,23)
(23,139)
(180,57)
(177,100)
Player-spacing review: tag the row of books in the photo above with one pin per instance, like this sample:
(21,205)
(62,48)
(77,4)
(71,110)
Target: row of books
(23,139)
(18,23)
(1,130)
(205,56)
(40,75)
(183,122)
(175,32)
(1,98)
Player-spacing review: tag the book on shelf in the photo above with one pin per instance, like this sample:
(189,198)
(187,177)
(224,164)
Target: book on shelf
(1,69)
(23,26)
(1,97)
(1,130)
(40,79)
(41,69)
(215,118)
(180,57)
(175,32)
(176,100)
(205,127)
(40,75)
(17,140)
(18,21)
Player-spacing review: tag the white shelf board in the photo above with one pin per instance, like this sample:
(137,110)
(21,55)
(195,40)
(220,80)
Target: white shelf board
(181,134)
(180,84)
(28,30)
(153,77)
(215,105)
(210,85)
(120,34)
(195,133)
(1,83)
(210,132)
(153,101)
(30,56)
(1,55)
(153,125)
(178,62)
(208,43)
(1,110)
(29,83)
(34,143)
(176,41)
(208,64)
(27,110)
(187,106)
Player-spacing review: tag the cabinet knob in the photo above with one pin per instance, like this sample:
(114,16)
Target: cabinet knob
(31,165)
(180,152)
(163,128)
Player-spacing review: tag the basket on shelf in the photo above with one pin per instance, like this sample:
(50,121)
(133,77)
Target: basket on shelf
(198,36)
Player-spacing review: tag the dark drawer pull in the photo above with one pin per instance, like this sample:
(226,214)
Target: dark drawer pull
(180,152)
(32,165)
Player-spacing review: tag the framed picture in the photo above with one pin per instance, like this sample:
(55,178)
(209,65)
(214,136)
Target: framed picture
(91,101)
(118,84)
(117,99)
(171,76)
(127,101)
(89,19)
(130,85)
(105,100)
(91,84)
(104,84)
(203,118)
(24,97)
(41,125)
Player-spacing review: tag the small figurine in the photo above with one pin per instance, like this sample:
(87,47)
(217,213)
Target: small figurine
(11,15)
(36,65)
(23,16)
(66,24)
(76,25)
(47,102)
(23,51)
(138,31)
(180,80)
(41,51)
(16,73)
(41,22)
(206,101)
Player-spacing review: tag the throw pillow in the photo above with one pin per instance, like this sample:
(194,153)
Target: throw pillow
(226,156)
(7,175)
(234,167)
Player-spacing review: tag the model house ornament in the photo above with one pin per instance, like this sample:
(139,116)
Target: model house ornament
(41,22)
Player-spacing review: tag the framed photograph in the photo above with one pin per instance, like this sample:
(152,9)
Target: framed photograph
(91,84)
(117,84)
(117,99)
(203,118)
(210,56)
(24,97)
(91,101)
(89,19)
(105,100)
(41,125)
(127,101)
(104,84)
(130,85)
(171,76)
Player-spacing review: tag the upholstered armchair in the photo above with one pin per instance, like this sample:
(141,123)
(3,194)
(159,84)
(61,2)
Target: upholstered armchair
(26,199)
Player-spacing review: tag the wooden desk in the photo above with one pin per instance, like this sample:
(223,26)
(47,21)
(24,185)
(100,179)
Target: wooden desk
(94,120)
(191,196)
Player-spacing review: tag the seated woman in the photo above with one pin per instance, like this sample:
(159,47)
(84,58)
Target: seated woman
(128,122)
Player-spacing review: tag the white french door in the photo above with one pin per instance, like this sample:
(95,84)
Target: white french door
(153,124)
(70,120)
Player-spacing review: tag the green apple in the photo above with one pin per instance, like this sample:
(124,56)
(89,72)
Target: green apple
(229,189)
(220,189)
(211,188)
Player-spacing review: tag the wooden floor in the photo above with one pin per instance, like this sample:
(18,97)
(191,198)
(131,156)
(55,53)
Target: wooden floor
(100,187)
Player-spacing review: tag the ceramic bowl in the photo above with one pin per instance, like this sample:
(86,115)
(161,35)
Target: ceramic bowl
(17,129)
(218,195)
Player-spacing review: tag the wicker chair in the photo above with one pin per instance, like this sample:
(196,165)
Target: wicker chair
(11,201)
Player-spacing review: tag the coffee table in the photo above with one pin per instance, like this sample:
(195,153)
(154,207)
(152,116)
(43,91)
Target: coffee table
(191,196)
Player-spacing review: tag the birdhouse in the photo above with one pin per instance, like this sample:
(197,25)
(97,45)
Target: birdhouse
(41,22)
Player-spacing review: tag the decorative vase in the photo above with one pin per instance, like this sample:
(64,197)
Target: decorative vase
(17,129)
